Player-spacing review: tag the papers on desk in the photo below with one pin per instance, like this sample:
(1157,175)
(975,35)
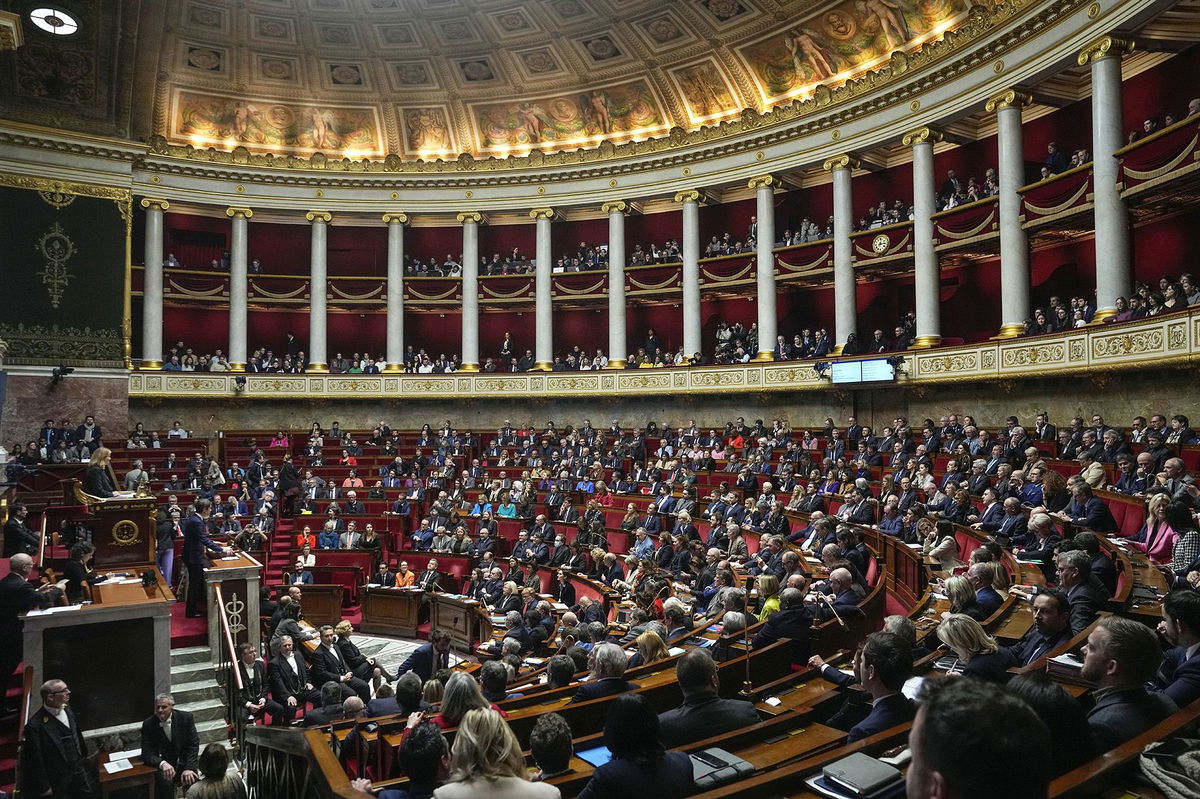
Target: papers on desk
(55,609)
(937,596)
(773,701)
(912,687)
(560,607)
(231,557)
(130,581)
(128,754)
(374,585)
(675,650)
(114,766)
(913,546)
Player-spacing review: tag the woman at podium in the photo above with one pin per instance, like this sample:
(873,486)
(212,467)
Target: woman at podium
(98,481)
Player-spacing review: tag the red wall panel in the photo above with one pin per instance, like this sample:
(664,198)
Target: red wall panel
(434,242)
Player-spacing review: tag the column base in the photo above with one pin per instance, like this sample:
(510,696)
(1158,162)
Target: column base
(764,357)
(1102,314)
(151,366)
(925,342)
(393,368)
(616,363)
(317,369)
(237,367)
(1010,331)
(543,366)
(468,367)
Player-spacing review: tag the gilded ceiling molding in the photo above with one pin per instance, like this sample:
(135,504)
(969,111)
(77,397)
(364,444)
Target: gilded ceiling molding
(616,206)
(48,186)
(396,217)
(1104,47)
(1010,98)
(842,161)
(155,202)
(922,135)
(687,196)
(318,216)
(245,213)
(469,216)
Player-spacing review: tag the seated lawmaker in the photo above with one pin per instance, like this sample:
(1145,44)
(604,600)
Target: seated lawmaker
(608,669)
(703,713)
(883,668)
(1179,675)
(1120,656)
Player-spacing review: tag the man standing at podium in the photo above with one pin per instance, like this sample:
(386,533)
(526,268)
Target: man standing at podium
(195,542)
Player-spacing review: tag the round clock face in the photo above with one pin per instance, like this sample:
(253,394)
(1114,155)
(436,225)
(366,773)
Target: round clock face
(880,244)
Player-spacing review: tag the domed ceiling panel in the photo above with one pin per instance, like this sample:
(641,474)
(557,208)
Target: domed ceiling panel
(427,79)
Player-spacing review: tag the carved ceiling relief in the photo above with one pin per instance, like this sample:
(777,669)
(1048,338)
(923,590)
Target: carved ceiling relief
(492,78)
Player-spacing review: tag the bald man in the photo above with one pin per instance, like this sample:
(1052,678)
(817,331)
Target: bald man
(842,597)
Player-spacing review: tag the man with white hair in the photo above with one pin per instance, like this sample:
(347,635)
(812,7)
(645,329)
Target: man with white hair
(17,596)
(841,599)
(608,669)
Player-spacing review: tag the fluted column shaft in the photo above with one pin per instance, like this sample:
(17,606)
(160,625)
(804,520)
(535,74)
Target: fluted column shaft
(617,351)
(395,292)
(764,242)
(470,290)
(845,310)
(1113,273)
(1014,245)
(152,284)
(926,277)
(238,277)
(691,271)
(317,280)
(543,354)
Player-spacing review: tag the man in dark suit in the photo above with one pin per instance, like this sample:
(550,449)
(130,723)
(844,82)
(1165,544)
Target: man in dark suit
(1074,569)
(429,657)
(703,713)
(254,697)
(17,596)
(328,665)
(1051,628)
(1179,675)
(845,599)
(331,706)
(290,686)
(793,621)
(18,538)
(195,542)
(1120,656)
(1089,511)
(608,670)
(885,664)
(979,575)
(54,758)
(170,744)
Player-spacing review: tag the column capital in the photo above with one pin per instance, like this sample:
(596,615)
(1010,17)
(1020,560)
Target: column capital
(318,216)
(469,216)
(843,161)
(762,182)
(395,216)
(11,34)
(1104,47)
(687,196)
(922,135)
(155,202)
(1010,98)
(244,213)
(543,213)
(616,206)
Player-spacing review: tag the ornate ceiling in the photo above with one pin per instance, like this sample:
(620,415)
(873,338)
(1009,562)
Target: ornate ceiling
(428,79)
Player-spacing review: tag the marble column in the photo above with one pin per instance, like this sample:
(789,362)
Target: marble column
(1014,245)
(470,290)
(926,275)
(764,261)
(543,353)
(395,291)
(845,308)
(691,271)
(1113,272)
(317,349)
(616,210)
(152,284)
(238,277)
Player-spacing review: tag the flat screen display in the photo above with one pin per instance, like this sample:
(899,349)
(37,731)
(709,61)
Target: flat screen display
(876,370)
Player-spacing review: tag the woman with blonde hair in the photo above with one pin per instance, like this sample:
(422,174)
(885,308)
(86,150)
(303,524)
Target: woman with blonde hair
(99,480)
(768,594)
(976,651)
(486,760)
(1156,538)
(962,599)
(650,649)
(461,696)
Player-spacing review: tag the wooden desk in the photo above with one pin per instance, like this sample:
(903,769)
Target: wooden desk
(322,603)
(390,611)
(466,620)
(136,777)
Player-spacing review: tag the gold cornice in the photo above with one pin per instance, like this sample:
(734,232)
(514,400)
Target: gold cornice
(922,135)
(843,161)
(762,182)
(11,34)
(245,213)
(1010,98)
(318,216)
(687,196)
(1104,47)
(396,216)
(616,206)
(469,216)
(114,193)
(543,213)
(155,202)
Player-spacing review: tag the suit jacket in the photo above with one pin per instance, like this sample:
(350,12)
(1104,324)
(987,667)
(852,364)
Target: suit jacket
(992,667)
(1179,678)
(844,603)
(46,763)
(1123,713)
(673,777)
(1094,515)
(1012,528)
(792,623)
(326,667)
(428,581)
(609,686)
(702,715)
(422,662)
(1086,603)
(196,541)
(183,749)
(17,595)
(284,681)
(885,714)
(1035,645)
(19,539)
(383,707)
(254,682)
(989,600)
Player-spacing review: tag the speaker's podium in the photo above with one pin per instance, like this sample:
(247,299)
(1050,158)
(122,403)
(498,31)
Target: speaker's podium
(114,652)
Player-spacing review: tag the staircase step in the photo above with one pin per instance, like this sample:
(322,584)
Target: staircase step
(215,731)
(185,692)
(205,709)
(191,672)
(191,654)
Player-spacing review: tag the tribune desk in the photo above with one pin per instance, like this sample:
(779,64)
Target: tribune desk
(115,653)
(239,577)
(391,611)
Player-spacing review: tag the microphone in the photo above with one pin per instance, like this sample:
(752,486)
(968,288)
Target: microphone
(840,620)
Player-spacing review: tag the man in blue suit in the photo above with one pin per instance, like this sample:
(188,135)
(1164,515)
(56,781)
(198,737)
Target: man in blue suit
(885,664)
(1179,675)
(979,575)
(195,543)
(1089,511)
(608,674)
(429,657)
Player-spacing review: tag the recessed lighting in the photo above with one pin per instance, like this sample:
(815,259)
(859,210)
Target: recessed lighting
(54,20)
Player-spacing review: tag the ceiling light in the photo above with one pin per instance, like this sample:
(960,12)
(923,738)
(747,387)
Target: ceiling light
(54,20)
